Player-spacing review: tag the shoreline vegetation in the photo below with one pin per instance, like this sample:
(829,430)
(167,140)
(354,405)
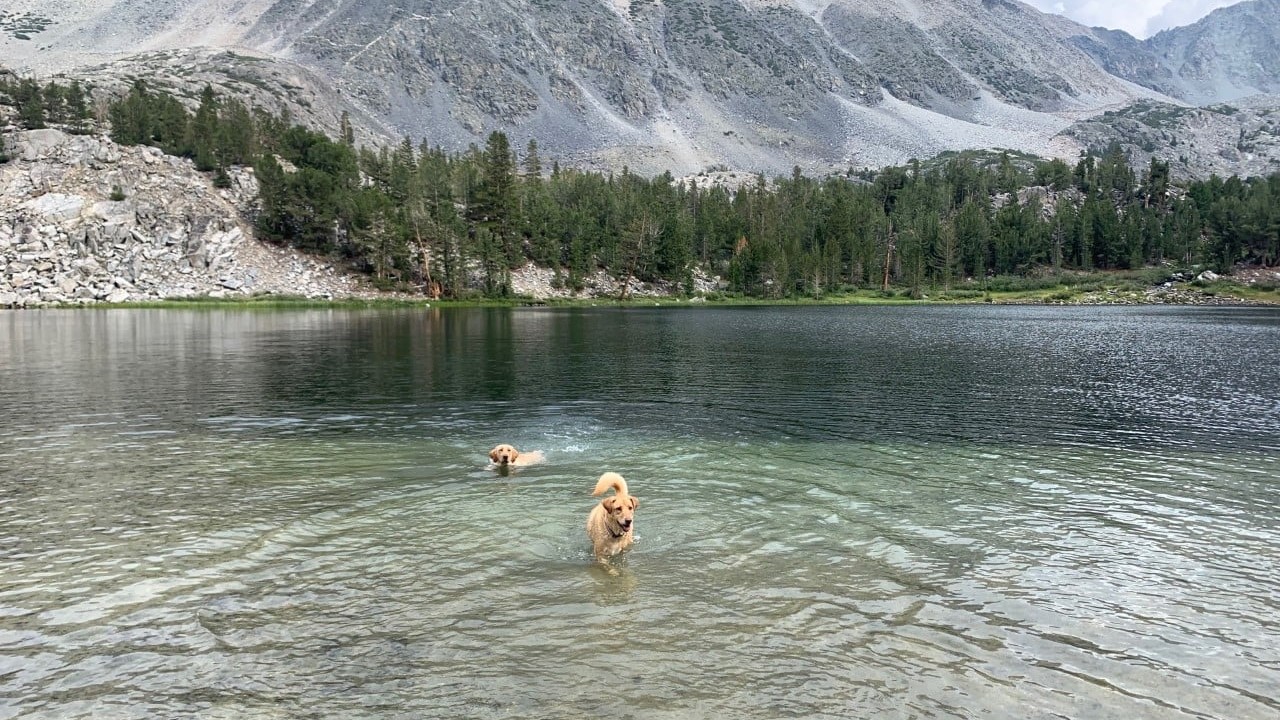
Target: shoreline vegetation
(1094,290)
(421,225)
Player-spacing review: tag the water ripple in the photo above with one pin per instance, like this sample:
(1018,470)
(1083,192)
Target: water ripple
(837,527)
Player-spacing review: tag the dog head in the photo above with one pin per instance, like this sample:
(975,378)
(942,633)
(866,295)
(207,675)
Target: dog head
(503,454)
(622,509)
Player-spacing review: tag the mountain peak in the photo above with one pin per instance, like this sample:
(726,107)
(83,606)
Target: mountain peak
(688,84)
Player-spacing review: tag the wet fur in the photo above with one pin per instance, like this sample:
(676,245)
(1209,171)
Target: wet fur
(610,525)
(508,456)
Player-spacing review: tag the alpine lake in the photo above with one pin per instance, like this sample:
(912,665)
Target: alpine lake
(845,512)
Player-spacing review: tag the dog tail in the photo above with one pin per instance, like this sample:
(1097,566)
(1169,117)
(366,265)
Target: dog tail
(611,480)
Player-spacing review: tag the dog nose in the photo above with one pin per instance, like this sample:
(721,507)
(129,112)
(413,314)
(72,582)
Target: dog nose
(626,523)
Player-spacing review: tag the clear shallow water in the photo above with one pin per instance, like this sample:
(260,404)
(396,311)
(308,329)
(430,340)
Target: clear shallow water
(846,512)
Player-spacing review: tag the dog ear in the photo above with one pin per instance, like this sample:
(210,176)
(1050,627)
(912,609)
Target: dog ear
(493,455)
(635,502)
(608,503)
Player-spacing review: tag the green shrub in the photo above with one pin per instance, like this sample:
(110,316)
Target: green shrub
(1014,283)
(117,194)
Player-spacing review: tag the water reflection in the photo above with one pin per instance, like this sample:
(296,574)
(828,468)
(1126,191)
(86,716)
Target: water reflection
(859,374)
(613,583)
(878,512)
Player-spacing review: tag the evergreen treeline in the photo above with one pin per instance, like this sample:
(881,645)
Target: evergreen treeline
(447,221)
(39,106)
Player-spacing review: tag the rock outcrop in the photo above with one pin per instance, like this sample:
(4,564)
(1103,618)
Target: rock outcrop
(1240,138)
(1230,54)
(84,220)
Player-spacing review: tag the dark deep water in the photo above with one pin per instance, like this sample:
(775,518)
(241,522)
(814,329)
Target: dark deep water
(846,512)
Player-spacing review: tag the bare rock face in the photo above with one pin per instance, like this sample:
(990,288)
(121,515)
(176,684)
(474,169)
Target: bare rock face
(1232,53)
(256,79)
(63,239)
(1238,138)
(683,86)
(758,85)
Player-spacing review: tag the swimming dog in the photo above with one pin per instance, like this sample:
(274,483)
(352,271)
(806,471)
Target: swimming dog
(611,523)
(507,456)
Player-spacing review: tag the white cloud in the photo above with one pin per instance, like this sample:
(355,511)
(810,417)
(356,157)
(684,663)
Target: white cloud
(1176,14)
(1140,18)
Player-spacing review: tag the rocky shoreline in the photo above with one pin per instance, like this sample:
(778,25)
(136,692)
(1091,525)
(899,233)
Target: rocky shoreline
(84,221)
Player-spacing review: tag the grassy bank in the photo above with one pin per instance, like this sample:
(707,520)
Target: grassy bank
(1123,288)
(265,302)
(1126,288)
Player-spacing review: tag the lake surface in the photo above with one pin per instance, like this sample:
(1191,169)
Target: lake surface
(888,512)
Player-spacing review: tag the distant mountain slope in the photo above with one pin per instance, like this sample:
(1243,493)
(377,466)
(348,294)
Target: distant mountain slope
(688,84)
(1231,53)
(1240,138)
(1124,56)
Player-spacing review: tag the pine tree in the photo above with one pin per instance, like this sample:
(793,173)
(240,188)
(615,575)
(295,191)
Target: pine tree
(77,109)
(169,125)
(945,256)
(1156,184)
(496,200)
(973,237)
(236,142)
(346,131)
(403,166)
(54,103)
(31,107)
(272,219)
(130,117)
(532,162)
(202,137)
(636,247)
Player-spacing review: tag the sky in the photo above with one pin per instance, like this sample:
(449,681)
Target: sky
(1140,18)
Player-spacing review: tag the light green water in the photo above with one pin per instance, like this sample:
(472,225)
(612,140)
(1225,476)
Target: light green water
(845,512)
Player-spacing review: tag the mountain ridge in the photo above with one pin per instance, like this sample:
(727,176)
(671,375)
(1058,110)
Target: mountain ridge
(689,84)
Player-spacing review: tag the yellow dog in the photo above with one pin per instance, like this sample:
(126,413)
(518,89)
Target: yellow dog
(507,456)
(611,523)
